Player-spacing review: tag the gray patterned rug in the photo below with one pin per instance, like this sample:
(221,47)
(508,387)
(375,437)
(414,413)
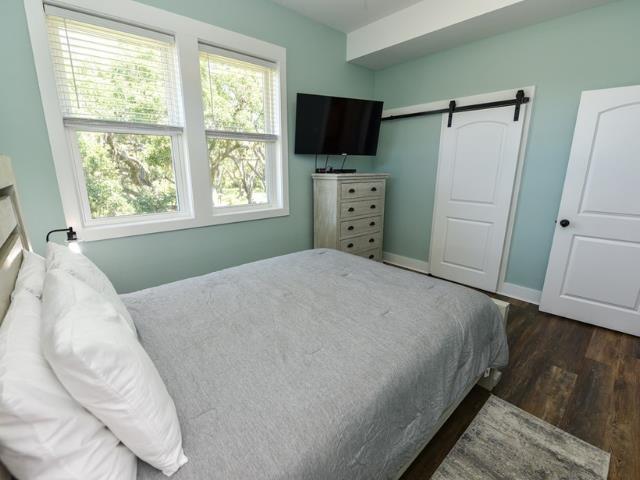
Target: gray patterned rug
(504,442)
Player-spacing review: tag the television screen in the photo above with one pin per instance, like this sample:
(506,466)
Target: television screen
(337,126)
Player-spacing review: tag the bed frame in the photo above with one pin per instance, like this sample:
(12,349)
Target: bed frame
(14,239)
(488,380)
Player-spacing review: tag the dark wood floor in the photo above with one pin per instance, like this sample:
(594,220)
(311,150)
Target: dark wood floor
(581,378)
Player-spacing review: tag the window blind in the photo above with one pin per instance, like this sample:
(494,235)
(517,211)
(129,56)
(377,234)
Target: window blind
(113,74)
(239,93)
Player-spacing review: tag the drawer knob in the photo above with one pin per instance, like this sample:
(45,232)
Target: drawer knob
(350,245)
(350,227)
(372,256)
(372,207)
(372,224)
(371,240)
(350,209)
(374,189)
(352,190)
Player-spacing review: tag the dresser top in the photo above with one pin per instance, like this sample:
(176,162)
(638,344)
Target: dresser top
(349,176)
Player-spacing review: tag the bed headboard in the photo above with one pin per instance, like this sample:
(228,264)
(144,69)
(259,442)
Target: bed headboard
(13,237)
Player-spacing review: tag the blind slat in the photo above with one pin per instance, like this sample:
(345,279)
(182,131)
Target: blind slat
(239,96)
(113,75)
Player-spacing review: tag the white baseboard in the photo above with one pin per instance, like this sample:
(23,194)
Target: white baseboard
(520,293)
(507,289)
(405,262)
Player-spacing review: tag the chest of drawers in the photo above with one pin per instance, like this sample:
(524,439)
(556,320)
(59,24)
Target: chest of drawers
(348,212)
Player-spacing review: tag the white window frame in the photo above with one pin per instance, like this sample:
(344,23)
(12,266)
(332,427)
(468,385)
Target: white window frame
(191,160)
(177,154)
(270,139)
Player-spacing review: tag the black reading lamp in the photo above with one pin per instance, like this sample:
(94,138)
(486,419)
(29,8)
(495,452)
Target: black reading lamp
(72,236)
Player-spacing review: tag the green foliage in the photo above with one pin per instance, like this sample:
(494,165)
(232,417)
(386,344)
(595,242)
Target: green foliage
(125,174)
(237,172)
(233,96)
(128,174)
(234,100)
(133,174)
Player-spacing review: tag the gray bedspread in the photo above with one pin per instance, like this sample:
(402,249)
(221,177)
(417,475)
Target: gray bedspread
(314,365)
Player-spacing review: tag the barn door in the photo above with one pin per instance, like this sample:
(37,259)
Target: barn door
(476,173)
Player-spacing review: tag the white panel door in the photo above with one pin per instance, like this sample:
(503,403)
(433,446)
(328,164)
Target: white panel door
(594,266)
(476,174)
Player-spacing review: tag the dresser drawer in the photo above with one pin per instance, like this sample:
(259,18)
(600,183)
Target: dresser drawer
(372,254)
(364,242)
(363,207)
(359,226)
(362,189)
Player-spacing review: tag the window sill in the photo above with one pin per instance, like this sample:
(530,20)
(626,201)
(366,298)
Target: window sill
(140,226)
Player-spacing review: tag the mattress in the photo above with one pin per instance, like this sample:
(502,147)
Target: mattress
(314,365)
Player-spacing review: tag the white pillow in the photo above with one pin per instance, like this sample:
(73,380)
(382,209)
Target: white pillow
(31,274)
(89,346)
(44,433)
(79,266)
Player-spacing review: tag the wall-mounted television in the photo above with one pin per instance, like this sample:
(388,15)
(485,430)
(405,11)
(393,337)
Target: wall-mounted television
(336,125)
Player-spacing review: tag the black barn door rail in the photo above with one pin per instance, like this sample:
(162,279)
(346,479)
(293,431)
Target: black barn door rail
(453,108)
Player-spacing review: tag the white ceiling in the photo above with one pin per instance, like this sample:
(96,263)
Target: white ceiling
(430,26)
(381,33)
(346,15)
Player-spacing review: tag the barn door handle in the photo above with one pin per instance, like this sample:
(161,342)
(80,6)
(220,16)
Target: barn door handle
(564,223)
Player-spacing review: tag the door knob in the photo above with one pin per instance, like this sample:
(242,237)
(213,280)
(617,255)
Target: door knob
(564,223)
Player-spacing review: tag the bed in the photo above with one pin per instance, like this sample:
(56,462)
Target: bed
(313,365)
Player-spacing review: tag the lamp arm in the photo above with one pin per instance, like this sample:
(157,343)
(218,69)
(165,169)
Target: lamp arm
(71,235)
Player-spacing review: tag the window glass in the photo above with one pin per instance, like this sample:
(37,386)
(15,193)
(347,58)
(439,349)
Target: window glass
(238,172)
(128,174)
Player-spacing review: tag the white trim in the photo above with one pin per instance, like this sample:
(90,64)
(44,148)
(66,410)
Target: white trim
(510,290)
(483,98)
(179,165)
(460,101)
(524,142)
(406,262)
(520,293)
(249,137)
(87,124)
(99,21)
(224,52)
(188,34)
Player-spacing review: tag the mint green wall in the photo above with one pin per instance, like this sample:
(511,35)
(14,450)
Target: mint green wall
(315,63)
(597,48)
